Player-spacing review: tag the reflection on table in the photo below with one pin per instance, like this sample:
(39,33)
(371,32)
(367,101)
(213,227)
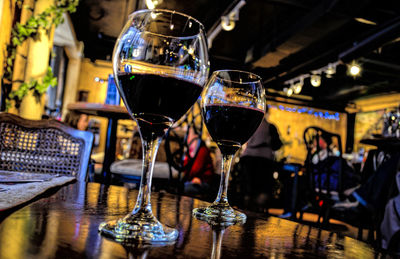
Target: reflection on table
(65,225)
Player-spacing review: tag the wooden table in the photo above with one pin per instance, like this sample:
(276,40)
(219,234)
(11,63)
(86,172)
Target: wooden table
(64,225)
(113,113)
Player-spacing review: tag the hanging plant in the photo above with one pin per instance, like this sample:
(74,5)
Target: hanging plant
(53,15)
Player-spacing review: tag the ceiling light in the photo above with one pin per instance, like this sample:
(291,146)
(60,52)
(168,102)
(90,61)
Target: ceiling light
(227,23)
(297,88)
(330,70)
(315,80)
(354,69)
(285,90)
(151,4)
(289,92)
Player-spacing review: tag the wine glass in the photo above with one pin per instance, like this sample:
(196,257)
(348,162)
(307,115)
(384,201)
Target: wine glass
(160,64)
(232,106)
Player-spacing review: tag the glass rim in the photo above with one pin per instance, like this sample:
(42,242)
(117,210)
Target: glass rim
(201,26)
(258,78)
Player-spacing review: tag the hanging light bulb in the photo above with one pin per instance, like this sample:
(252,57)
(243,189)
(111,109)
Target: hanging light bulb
(315,80)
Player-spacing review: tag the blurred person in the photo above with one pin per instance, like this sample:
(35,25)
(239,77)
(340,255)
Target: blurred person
(257,164)
(76,120)
(326,163)
(373,193)
(197,179)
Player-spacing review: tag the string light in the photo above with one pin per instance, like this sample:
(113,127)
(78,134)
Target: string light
(308,111)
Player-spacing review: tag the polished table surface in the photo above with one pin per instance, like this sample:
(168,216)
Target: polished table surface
(64,225)
(100,109)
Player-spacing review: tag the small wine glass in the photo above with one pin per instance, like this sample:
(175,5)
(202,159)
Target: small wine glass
(232,106)
(160,64)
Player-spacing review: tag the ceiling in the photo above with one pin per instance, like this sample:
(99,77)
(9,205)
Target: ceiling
(279,40)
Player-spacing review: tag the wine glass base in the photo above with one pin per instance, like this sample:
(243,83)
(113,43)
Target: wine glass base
(135,228)
(219,215)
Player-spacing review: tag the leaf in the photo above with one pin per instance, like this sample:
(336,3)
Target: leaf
(53,81)
(32,23)
(23,31)
(15,41)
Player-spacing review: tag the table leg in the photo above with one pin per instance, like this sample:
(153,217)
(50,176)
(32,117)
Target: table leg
(109,152)
(294,193)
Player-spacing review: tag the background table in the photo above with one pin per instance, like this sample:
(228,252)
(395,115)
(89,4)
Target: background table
(65,224)
(113,113)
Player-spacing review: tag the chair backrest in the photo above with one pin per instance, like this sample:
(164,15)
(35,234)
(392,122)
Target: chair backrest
(312,136)
(176,141)
(43,146)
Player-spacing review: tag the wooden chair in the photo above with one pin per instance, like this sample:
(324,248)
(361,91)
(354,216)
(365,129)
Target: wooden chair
(43,146)
(177,146)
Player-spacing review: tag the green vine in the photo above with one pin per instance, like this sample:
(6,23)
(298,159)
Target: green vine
(37,87)
(20,33)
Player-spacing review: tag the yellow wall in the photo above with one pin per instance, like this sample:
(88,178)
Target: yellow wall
(97,91)
(7,9)
(366,124)
(369,119)
(291,122)
(32,56)
(89,71)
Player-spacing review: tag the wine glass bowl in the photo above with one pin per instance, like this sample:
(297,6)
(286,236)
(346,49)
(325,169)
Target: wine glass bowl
(160,64)
(232,106)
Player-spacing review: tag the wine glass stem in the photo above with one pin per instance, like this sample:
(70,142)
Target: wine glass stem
(217,242)
(150,148)
(222,196)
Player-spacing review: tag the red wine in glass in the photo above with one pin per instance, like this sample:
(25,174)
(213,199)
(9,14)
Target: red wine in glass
(156,101)
(232,106)
(230,126)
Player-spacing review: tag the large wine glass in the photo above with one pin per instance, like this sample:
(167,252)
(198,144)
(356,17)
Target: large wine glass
(233,106)
(160,65)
